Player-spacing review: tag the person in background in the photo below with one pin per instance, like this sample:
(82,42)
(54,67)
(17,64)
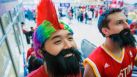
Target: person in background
(34,62)
(117,55)
(54,41)
(29,52)
(25,32)
(133,28)
(31,32)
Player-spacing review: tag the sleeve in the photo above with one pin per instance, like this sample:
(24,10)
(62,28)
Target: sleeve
(94,61)
(133,53)
(93,66)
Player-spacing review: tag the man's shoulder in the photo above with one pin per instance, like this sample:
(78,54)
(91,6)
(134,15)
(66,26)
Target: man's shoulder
(97,51)
(34,73)
(97,54)
(37,73)
(130,50)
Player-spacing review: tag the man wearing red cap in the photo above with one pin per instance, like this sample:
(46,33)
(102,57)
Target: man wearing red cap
(53,41)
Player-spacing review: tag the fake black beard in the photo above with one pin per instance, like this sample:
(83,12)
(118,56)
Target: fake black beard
(60,66)
(124,38)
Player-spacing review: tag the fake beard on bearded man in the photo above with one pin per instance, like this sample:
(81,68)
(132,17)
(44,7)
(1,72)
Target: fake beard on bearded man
(124,38)
(65,64)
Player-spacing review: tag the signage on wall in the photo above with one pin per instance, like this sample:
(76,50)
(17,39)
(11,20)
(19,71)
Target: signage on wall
(65,5)
(5,1)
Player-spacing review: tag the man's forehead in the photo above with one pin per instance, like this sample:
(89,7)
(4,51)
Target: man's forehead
(60,33)
(117,16)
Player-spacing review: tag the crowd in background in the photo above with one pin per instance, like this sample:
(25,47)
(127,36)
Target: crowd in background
(83,14)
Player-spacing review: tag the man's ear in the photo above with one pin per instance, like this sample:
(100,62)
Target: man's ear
(105,31)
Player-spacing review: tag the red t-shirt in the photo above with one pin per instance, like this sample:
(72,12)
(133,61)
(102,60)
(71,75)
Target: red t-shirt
(105,64)
(40,72)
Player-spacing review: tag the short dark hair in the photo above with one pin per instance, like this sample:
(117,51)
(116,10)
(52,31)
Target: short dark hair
(22,23)
(103,19)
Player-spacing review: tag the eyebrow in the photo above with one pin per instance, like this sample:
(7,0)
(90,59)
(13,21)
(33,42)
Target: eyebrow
(58,36)
(122,20)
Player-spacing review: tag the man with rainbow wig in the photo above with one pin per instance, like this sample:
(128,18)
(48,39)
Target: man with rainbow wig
(54,43)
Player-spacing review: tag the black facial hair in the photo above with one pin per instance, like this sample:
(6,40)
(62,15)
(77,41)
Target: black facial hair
(124,38)
(60,66)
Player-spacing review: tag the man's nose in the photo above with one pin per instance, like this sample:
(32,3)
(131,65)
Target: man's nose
(126,25)
(67,44)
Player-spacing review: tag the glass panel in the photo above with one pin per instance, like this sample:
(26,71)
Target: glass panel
(11,72)
(16,10)
(13,13)
(4,58)
(21,17)
(18,18)
(14,48)
(5,20)
(1,33)
(18,35)
(17,31)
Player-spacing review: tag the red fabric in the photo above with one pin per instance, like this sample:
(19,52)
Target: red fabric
(30,50)
(24,31)
(133,27)
(46,11)
(114,1)
(40,72)
(96,13)
(114,69)
(100,11)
